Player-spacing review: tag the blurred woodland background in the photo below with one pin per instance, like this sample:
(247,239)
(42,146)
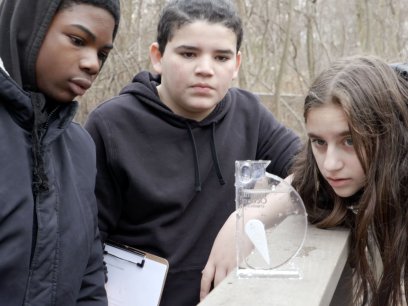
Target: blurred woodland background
(286,43)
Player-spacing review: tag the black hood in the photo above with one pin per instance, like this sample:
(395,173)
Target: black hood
(23,25)
(143,86)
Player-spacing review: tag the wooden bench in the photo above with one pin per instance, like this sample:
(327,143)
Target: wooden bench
(321,261)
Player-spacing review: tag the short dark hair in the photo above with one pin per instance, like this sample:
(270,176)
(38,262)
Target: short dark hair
(180,12)
(112,6)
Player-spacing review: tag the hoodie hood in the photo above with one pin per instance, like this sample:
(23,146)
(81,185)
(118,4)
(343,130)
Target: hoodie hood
(144,85)
(23,25)
(19,47)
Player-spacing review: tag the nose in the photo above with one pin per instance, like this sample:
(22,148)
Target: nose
(333,160)
(90,62)
(204,66)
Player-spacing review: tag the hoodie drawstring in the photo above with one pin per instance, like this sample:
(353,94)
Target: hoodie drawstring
(215,156)
(197,183)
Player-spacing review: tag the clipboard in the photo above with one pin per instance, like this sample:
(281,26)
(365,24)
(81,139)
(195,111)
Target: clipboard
(134,277)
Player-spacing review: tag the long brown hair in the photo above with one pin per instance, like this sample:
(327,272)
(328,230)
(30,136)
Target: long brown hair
(374,98)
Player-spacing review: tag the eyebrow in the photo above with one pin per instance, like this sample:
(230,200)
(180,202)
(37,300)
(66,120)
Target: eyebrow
(191,48)
(90,34)
(344,133)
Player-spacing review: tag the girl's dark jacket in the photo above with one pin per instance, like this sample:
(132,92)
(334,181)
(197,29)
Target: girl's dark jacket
(50,251)
(153,163)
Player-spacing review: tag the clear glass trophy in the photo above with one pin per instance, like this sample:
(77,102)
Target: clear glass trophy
(271,223)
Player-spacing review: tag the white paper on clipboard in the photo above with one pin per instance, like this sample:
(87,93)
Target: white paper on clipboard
(135,278)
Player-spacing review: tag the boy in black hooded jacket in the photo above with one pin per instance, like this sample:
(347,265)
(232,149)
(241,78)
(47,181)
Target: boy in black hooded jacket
(51,51)
(167,145)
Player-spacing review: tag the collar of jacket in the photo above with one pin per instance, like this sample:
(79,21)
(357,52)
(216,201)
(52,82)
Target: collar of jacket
(20,104)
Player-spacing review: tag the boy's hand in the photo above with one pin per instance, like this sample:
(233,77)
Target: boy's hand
(222,259)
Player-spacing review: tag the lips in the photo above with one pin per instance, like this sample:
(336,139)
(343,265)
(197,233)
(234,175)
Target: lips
(202,85)
(79,85)
(338,182)
(202,88)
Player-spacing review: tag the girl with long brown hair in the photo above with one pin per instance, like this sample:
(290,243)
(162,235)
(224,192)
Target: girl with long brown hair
(353,170)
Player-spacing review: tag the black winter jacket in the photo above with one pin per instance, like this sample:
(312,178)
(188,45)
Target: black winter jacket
(152,164)
(50,251)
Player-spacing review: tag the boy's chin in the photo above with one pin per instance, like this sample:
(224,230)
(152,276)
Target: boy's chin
(63,98)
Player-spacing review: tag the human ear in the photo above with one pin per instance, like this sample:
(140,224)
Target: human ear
(155,57)
(237,65)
